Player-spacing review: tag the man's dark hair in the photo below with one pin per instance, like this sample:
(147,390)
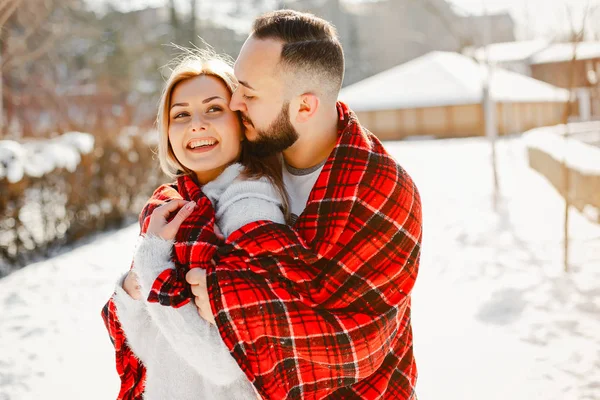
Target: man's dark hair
(310,44)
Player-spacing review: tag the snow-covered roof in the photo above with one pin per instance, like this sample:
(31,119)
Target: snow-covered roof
(37,158)
(560,52)
(444,79)
(508,51)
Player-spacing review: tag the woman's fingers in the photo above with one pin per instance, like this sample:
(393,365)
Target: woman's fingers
(166,209)
(182,214)
(158,220)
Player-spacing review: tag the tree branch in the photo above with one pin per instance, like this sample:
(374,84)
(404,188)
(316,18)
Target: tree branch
(9,11)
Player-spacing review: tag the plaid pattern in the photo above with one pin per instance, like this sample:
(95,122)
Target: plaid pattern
(130,369)
(322,310)
(195,245)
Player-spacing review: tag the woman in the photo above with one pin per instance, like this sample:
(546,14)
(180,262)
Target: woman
(202,145)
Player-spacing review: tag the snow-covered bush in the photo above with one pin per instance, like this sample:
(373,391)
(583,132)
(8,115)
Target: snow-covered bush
(39,157)
(55,191)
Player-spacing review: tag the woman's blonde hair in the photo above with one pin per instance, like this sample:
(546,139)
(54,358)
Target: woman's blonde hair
(193,63)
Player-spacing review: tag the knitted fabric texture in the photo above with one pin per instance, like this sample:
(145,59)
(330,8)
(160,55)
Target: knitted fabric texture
(239,201)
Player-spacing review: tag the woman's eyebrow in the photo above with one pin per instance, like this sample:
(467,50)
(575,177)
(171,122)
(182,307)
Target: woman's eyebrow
(207,100)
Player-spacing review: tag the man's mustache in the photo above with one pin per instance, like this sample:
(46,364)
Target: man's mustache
(247,119)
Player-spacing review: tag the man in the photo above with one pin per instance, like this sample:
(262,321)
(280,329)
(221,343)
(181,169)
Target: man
(320,309)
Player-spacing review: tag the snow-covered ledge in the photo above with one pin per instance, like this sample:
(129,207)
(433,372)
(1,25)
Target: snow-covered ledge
(548,148)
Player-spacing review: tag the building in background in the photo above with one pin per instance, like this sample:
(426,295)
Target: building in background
(565,65)
(569,66)
(513,56)
(440,94)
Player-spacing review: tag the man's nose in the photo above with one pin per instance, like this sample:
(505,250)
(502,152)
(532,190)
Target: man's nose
(236,103)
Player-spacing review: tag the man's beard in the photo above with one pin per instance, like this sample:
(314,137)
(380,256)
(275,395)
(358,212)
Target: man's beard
(277,137)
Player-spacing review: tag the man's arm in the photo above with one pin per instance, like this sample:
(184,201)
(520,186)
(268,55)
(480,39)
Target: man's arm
(307,321)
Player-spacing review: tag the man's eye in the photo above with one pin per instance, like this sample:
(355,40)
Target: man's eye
(247,97)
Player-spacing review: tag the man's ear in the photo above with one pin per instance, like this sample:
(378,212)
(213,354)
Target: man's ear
(309,104)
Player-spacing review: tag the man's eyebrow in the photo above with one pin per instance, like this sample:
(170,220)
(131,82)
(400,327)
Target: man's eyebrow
(244,83)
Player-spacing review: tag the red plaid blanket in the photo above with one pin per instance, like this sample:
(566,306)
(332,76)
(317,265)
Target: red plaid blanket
(323,309)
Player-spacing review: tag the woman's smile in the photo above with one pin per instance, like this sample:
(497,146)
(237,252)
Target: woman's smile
(202,145)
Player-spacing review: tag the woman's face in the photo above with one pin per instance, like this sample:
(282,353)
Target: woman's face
(204,133)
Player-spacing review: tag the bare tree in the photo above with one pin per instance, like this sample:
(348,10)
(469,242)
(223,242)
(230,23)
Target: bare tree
(193,20)
(490,117)
(28,30)
(576,36)
(448,22)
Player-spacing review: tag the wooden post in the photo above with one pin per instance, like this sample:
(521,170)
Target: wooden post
(577,36)
(2,133)
(489,111)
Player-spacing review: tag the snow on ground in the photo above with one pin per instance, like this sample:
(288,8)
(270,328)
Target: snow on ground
(53,344)
(495,316)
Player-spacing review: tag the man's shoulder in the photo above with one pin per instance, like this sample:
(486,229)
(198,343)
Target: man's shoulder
(382,173)
(372,155)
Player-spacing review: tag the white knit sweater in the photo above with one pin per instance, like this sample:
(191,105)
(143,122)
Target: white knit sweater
(184,356)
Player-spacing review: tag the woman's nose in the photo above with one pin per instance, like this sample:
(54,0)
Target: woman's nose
(199,124)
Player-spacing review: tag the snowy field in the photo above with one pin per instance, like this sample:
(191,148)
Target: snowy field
(495,316)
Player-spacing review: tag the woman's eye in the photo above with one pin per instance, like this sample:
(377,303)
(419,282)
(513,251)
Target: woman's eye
(180,115)
(214,109)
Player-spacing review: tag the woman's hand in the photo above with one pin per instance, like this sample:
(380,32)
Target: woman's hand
(131,286)
(158,220)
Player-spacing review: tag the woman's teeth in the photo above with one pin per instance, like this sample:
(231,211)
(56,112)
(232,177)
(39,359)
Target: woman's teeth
(201,143)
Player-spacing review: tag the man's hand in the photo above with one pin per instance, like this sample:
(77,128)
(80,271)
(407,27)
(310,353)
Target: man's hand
(196,277)
(218,233)
(131,286)
(159,226)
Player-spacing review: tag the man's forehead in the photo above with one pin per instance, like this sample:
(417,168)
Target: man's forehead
(257,62)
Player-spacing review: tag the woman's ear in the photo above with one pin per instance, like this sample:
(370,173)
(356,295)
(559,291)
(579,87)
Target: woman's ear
(309,104)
